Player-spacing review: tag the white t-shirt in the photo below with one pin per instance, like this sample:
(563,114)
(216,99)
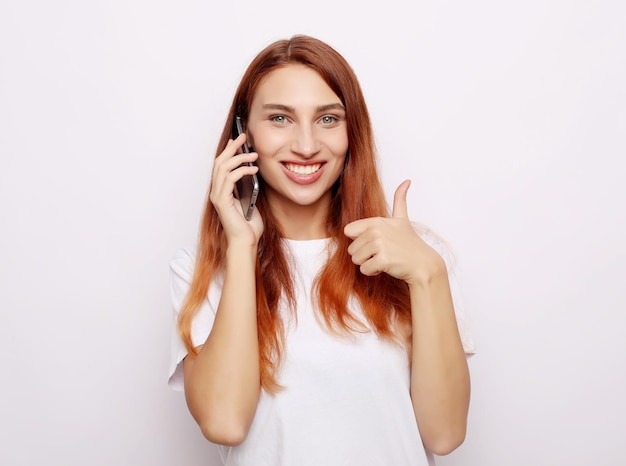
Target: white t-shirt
(346,401)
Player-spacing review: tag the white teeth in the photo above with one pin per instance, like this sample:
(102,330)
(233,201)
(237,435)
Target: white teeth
(303,169)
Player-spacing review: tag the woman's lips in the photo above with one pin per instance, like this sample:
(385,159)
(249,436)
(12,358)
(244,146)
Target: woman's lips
(303,173)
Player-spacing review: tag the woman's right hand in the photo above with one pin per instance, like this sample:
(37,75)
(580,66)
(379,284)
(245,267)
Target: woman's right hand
(228,168)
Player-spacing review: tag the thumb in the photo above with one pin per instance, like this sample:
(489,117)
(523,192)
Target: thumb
(399,200)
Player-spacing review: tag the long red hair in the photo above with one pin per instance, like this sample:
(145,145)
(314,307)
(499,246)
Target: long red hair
(357,194)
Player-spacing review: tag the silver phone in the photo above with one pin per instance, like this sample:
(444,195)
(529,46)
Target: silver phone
(247,188)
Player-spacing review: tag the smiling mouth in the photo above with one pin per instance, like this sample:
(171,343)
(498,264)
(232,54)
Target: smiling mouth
(302,169)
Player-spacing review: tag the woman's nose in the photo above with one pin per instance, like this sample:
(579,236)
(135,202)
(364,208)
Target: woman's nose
(305,142)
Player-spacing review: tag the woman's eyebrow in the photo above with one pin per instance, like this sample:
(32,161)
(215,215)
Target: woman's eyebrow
(325,108)
(284,108)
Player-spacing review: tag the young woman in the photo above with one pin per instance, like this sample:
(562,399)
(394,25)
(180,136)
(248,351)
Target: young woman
(323,330)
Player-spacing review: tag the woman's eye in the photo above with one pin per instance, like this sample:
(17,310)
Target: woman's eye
(280,119)
(329,119)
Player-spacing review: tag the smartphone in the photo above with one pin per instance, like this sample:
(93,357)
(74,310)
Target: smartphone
(247,188)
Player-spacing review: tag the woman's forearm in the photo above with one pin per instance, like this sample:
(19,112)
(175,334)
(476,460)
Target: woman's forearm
(222,384)
(440,382)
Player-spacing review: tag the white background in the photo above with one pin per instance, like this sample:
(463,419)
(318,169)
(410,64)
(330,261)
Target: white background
(509,117)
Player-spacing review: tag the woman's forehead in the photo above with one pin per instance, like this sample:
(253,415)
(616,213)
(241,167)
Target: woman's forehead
(294,85)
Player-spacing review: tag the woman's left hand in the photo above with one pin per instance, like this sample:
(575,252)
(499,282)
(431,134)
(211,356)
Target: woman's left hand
(392,245)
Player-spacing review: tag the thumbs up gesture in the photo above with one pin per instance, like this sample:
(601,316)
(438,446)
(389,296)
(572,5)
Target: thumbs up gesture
(391,245)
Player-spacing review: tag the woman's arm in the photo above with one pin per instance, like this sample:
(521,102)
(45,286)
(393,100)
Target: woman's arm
(222,383)
(440,384)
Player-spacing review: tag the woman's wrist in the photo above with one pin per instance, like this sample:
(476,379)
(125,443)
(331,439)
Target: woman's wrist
(240,252)
(427,274)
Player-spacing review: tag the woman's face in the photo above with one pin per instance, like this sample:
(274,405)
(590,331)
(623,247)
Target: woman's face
(297,125)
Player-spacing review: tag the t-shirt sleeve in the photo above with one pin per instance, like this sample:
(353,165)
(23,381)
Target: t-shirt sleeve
(462,321)
(181,273)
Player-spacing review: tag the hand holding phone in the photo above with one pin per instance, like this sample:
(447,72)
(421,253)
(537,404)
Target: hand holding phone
(247,188)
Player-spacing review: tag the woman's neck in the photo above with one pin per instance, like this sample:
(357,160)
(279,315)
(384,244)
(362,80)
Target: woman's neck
(302,222)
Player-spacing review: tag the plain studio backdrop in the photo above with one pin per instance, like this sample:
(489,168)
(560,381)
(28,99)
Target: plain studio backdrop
(509,117)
